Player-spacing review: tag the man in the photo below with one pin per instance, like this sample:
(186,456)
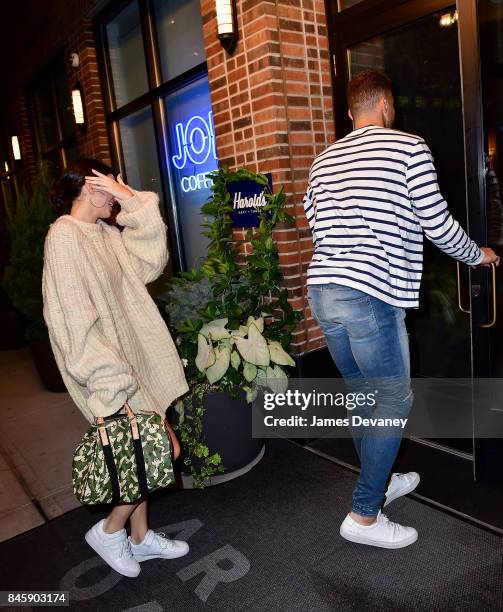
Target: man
(371,196)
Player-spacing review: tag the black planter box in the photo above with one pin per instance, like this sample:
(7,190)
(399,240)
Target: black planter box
(228,429)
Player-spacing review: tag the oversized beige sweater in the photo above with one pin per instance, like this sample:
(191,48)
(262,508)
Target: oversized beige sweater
(109,340)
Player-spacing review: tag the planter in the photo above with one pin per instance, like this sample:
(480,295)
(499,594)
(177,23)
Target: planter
(47,368)
(228,431)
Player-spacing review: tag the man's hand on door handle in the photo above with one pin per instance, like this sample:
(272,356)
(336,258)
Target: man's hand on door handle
(489,257)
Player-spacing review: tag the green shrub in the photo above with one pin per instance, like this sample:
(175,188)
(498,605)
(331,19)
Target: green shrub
(28,221)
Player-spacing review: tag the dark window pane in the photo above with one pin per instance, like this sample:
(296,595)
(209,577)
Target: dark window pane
(127,55)
(71,151)
(54,166)
(63,100)
(8,192)
(44,113)
(139,151)
(180,36)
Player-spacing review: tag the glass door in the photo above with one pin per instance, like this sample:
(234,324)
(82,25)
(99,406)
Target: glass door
(417,45)
(483,23)
(446,62)
(422,61)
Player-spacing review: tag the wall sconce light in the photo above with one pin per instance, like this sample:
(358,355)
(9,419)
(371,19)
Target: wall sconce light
(227,24)
(16,149)
(74,60)
(78,106)
(448,19)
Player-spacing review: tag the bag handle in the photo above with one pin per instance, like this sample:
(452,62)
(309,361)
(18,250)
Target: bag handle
(133,421)
(100,422)
(128,411)
(102,430)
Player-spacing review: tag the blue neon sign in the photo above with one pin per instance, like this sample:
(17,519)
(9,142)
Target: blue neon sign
(192,156)
(195,141)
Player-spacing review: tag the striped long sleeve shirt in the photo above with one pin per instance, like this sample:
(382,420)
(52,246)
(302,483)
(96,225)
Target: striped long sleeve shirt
(371,196)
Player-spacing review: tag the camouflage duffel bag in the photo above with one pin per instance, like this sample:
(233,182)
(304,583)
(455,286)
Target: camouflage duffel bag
(121,458)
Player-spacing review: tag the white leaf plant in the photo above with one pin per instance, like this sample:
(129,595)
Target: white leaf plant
(246,348)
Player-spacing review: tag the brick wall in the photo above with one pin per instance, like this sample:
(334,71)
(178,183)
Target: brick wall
(272,104)
(93,142)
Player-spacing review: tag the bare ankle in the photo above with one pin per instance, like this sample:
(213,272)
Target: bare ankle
(362,520)
(110,528)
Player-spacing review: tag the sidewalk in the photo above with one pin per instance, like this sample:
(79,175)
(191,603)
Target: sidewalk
(39,431)
(268,540)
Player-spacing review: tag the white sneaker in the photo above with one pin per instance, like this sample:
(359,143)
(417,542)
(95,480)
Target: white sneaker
(401,484)
(383,533)
(114,548)
(158,546)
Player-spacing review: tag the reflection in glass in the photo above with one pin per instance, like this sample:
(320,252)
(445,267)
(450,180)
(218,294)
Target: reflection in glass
(139,151)
(491,49)
(422,61)
(192,156)
(180,36)
(127,57)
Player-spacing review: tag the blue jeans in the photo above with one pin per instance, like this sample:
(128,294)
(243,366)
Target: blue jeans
(367,339)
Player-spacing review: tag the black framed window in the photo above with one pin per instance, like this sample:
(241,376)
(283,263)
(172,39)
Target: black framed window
(52,116)
(345,4)
(8,185)
(159,111)
(9,170)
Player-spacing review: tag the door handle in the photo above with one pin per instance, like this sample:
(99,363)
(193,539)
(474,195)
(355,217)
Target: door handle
(493,320)
(460,306)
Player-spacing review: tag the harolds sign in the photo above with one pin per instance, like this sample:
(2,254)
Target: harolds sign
(247,198)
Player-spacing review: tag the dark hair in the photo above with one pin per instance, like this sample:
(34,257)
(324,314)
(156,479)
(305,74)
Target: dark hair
(365,89)
(69,185)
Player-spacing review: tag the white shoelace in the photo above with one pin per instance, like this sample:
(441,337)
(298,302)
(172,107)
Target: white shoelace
(121,549)
(394,526)
(163,541)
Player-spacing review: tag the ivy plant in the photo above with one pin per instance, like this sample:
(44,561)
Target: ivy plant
(236,326)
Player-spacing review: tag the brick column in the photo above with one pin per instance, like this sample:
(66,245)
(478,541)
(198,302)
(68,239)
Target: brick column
(93,142)
(273,112)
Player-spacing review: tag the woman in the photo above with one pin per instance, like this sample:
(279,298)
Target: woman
(110,342)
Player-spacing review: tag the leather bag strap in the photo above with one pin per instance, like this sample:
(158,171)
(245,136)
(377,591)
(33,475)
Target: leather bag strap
(137,449)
